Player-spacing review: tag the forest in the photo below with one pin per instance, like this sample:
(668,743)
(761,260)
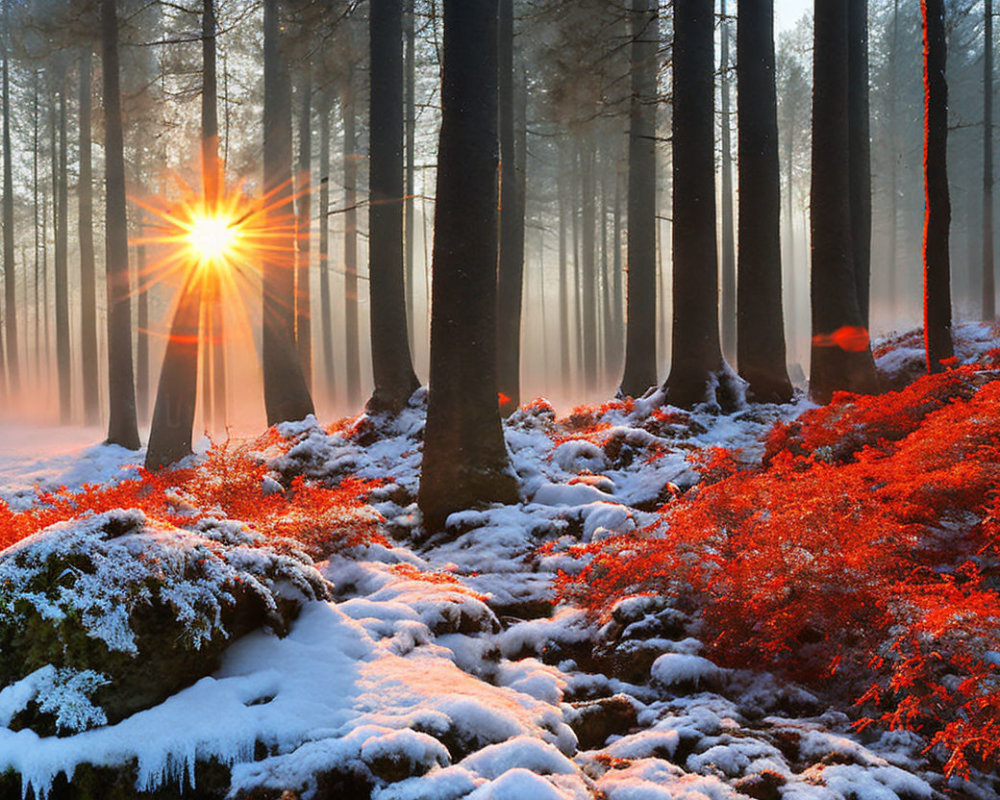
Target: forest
(499,400)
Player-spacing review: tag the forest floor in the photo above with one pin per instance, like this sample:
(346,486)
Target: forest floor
(448,668)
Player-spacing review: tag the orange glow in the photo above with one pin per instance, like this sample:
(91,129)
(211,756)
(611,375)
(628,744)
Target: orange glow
(849,338)
(213,239)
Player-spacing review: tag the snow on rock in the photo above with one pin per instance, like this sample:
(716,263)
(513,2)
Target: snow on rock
(683,669)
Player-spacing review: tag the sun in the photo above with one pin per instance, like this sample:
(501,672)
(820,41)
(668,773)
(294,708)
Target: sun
(212,238)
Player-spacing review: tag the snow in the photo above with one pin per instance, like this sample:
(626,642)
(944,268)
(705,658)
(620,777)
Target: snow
(441,671)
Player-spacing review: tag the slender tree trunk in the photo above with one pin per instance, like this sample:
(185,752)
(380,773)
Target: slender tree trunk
(988,283)
(618,327)
(728,245)
(286,396)
(122,427)
(564,336)
(640,331)
(841,356)
(35,145)
(465,460)
(303,291)
(352,350)
(937,213)
(64,365)
(392,367)
(761,333)
(607,310)
(589,274)
(892,246)
(409,219)
(9,274)
(142,334)
(88,279)
(326,317)
(859,150)
(511,265)
(698,373)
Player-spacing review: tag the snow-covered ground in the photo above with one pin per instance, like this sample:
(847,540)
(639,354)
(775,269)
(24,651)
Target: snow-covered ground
(440,670)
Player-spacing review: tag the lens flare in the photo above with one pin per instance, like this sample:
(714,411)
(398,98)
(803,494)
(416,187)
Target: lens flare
(213,239)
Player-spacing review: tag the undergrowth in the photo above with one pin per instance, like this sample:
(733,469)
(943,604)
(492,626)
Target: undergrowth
(865,548)
(232,481)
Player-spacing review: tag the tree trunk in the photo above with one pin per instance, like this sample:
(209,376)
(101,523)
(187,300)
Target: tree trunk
(589,273)
(511,265)
(859,152)
(564,336)
(303,189)
(841,357)
(326,316)
(761,333)
(9,274)
(988,283)
(286,396)
(409,215)
(64,367)
(729,301)
(176,393)
(617,326)
(392,367)
(894,155)
(142,334)
(88,281)
(937,213)
(465,460)
(640,317)
(697,371)
(352,352)
(122,427)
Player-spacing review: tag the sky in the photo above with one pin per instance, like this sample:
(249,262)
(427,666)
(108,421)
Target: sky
(788,12)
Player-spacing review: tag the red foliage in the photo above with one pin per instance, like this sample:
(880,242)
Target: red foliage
(232,481)
(867,545)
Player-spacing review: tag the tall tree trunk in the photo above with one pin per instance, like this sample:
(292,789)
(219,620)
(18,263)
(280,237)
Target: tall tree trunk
(859,151)
(286,396)
(88,279)
(142,333)
(697,371)
(465,460)
(761,334)
(64,367)
(589,272)
(326,316)
(35,145)
(352,350)
(617,327)
(988,283)
(10,299)
(841,356)
(392,367)
(303,265)
(937,206)
(894,155)
(566,366)
(640,331)
(409,215)
(728,315)
(511,264)
(122,427)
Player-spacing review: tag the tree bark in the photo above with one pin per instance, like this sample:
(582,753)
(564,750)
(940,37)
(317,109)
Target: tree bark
(409,215)
(566,366)
(303,259)
(122,427)
(465,460)
(729,301)
(510,274)
(64,367)
(698,373)
(937,206)
(392,367)
(9,273)
(352,352)
(286,396)
(988,281)
(640,317)
(326,316)
(588,212)
(761,330)
(841,356)
(88,281)
(859,151)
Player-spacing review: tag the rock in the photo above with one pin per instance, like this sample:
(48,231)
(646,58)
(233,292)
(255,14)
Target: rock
(765,785)
(594,721)
(106,616)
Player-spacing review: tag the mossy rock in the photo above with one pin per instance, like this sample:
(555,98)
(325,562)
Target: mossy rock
(111,614)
